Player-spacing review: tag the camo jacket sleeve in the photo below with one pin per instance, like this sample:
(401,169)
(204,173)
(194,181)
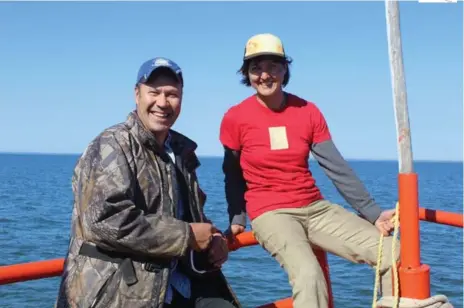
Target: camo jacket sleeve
(112,206)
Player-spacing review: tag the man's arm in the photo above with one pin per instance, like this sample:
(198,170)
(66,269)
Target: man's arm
(235,187)
(110,217)
(345,180)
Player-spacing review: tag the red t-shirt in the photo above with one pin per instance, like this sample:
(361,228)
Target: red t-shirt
(275,149)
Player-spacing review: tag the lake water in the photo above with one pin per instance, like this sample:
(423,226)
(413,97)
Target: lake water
(36,202)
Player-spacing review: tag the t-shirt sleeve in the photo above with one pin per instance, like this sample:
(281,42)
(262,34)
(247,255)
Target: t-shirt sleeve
(229,132)
(319,127)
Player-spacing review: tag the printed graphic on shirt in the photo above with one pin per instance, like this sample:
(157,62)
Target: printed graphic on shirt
(278,138)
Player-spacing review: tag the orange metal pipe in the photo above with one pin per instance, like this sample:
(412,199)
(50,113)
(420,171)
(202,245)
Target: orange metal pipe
(51,268)
(414,280)
(244,239)
(414,277)
(441,217)
(283,303)
(31,271)
(409,220)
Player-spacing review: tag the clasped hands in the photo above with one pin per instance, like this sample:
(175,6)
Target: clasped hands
(208,238)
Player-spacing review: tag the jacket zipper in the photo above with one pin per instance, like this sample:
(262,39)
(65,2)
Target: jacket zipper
(197,198)
(163,280)
(171,191)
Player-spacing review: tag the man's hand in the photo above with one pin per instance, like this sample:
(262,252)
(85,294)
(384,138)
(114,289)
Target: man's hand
(203,234)
(384,223)
(218,251)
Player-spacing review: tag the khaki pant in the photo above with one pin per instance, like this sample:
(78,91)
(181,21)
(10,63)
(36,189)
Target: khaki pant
(287,234)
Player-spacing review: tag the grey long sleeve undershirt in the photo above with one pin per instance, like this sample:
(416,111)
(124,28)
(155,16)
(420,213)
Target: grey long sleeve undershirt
(235,187)
(345,180)
(331,162)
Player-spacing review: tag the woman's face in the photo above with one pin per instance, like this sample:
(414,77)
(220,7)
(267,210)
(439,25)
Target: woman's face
(266,76)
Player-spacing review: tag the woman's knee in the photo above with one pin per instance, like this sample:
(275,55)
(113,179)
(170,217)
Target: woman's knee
(283,240)
(301,267)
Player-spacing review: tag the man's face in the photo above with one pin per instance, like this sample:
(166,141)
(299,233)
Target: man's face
(159,103)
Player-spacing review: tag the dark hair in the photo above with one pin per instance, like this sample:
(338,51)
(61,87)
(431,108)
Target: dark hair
(164,71)
(245,80)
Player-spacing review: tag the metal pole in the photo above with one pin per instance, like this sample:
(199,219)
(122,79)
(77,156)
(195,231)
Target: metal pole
(414,277)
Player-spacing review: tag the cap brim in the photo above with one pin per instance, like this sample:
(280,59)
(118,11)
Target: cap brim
(159,67)
(279,55)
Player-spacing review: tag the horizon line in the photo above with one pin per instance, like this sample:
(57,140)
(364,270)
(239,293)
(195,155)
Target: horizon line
(220,156)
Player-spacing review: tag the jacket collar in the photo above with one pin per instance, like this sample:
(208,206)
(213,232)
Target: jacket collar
(180,144)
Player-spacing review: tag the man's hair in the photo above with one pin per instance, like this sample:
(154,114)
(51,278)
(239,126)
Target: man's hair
(245,80)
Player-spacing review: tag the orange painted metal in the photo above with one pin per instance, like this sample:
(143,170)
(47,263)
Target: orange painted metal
(414,277)
(31,271)
(414,282)
(409,220)
(244,239)
(283,303)
(441,217)
(51,268)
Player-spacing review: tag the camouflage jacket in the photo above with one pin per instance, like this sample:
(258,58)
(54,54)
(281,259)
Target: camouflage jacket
(124,205)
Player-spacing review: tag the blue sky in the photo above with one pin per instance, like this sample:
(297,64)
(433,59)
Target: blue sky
(68,69)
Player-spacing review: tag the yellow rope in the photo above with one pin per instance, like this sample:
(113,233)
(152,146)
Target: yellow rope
(396,223)
(437,301)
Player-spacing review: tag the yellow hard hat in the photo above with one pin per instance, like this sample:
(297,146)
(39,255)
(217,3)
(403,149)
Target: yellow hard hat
(264,44)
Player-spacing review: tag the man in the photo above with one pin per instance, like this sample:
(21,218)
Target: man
(139,234)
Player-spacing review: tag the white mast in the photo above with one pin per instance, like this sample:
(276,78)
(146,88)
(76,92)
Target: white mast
(403,131)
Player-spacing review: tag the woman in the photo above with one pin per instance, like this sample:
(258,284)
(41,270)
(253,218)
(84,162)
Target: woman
(267,140)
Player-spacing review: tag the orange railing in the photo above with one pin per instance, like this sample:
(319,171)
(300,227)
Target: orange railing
(52,268)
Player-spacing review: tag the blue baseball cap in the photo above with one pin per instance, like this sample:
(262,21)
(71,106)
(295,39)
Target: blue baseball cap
(148,67)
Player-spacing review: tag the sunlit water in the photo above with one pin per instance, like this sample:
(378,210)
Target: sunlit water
(36,201)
